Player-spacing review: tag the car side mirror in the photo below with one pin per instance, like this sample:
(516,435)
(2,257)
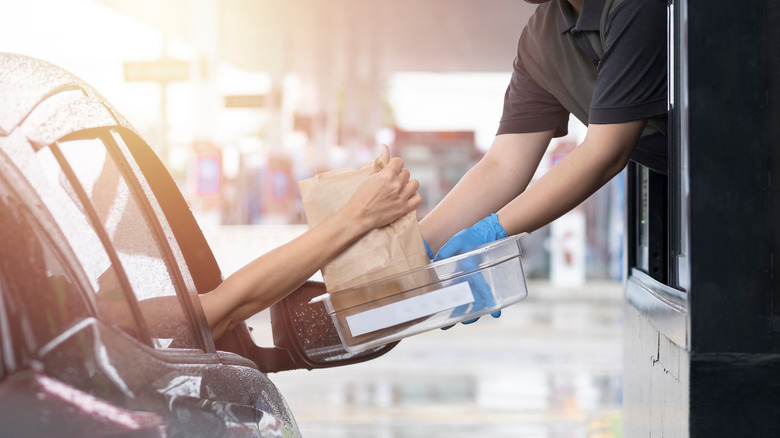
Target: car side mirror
(305,336)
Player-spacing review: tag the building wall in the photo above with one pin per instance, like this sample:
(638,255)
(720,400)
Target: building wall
(655,381)
(734,395)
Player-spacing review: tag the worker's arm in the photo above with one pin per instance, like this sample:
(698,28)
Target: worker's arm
(500,176)
(381,198)
(602,155)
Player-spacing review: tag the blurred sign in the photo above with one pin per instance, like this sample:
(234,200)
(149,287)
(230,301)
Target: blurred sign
(437,159)
(564,146)
(567,252)
(209,175)
(437,138)
(160,70)
(246,101)
(279,186)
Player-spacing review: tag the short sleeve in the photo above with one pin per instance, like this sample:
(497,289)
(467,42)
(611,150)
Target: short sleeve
(530,108)
(631,82)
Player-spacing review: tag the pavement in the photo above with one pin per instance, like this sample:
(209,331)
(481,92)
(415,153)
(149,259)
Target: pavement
(549,367)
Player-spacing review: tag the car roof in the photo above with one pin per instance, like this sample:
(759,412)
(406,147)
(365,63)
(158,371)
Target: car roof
(25,82)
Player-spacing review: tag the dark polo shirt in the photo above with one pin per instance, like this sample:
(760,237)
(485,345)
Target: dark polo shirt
(608,66)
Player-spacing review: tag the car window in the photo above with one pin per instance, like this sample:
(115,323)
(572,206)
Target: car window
(42,297)
(40,173)
(175,222)
(127,223)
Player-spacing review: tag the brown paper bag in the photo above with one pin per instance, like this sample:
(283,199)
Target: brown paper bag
(383,252)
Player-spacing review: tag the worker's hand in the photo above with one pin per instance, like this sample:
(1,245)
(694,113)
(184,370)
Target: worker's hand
(385,195)
(483,297)
(485,231)
(428,250)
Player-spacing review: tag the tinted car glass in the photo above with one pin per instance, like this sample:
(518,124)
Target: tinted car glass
(134,239)
(161,203)
(42,296)
(43,173)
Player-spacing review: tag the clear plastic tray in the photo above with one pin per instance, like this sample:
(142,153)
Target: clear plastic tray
(437,295)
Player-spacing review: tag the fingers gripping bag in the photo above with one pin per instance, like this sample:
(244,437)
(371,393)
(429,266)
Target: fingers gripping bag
(383,252)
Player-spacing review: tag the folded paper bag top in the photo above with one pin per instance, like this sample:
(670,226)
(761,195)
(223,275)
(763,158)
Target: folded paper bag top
(392,249)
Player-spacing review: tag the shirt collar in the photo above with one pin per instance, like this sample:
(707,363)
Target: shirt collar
(589,19)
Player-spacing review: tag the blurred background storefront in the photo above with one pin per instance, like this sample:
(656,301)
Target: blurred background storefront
(242,98)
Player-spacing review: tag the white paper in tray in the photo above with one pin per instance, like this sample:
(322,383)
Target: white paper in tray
(410,309)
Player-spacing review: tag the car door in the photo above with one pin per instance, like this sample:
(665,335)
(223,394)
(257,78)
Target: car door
(126,233)
(61,343)
(43,310)
(144,344)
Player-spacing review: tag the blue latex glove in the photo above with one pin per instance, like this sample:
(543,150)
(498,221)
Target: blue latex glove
(485,231)
(428,251)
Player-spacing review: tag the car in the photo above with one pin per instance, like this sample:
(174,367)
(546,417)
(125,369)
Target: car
(101,263)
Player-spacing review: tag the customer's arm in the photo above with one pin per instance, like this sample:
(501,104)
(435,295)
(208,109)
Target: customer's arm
(383,197)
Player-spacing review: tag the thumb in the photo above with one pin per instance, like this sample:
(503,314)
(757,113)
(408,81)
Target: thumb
(464,241)
(382,159)
(449,249)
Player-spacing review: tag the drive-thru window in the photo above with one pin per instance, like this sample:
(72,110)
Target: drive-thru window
(702,339)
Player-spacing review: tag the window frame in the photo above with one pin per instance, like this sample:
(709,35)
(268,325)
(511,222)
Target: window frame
(657,214)
(184,296)
(58,244)
(185,284)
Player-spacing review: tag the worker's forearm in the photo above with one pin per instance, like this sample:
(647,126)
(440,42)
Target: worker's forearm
(466,204)
(499,177)
(570,182)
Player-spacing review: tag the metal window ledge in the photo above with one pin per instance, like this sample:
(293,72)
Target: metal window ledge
(666,308)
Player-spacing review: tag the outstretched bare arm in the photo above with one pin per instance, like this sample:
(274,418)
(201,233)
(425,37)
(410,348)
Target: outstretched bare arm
(383,197)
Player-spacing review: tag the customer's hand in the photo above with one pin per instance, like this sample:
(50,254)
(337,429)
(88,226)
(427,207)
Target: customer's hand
(387,194)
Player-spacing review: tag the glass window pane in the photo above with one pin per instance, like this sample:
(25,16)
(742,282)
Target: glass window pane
(42,296)
(681,172)
(43,174)
(134,240)
(128,146)
(643,216)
